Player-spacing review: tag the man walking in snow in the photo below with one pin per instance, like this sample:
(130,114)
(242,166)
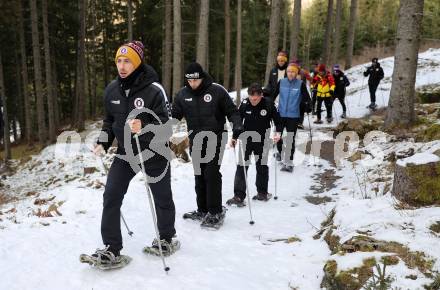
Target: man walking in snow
(257,113)
(205,106)
(293,97)
(341,82)
(324,85)
(375,73)
(136,88)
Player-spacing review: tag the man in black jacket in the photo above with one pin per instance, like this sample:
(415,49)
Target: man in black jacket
(205,104)
(257,113)
(135,90)
(375,73)
(341,82)
(276,74)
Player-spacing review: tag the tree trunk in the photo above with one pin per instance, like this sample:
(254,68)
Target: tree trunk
(227,63)
(167,61)
(401,104)
(327,40)
(337,33)
(55,93)
(48,67)
(42,132)
(130,20)
(92,63)
(80,79)
(202,35)
(350,35)
(294,39)
(106,22)
(19,104)
(6,138)
(177,51)
(274,28)
(285,21)
(27,126)
(237,84)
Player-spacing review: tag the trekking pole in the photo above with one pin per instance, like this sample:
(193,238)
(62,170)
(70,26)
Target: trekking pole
(362,91)
(381,95)
(130,233)
(251,222)
(150,199)
(311,139)
(276,175)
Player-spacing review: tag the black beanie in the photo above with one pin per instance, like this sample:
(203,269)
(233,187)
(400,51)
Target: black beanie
(194,71)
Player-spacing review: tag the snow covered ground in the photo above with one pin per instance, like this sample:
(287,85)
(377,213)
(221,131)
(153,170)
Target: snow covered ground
(41,252)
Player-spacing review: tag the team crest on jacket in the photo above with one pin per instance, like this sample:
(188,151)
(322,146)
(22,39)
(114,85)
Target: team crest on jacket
(139,103)
(207,98)
(263,112)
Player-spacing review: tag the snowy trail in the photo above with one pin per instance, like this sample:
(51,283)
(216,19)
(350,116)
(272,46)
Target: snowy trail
(238,256)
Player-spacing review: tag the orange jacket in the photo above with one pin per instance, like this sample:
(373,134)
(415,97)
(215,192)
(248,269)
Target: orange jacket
(324,85)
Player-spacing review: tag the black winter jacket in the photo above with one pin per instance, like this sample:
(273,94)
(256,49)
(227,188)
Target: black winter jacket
(145,92)
(341,82)
(206,108)
(375,73)
(257,118)
(269,90)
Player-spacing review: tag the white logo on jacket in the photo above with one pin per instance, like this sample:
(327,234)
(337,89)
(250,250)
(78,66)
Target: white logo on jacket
(207,98)
(139,103)
(263,112)
(116,102)
(189,99)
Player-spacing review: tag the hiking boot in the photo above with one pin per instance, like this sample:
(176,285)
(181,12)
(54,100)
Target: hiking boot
(343,116)
(287,168)
(329,120)
(318,121)
(194,215)
(301,126)
(214,221)
(263,196)
(236,201)
(108,255)
(169,247)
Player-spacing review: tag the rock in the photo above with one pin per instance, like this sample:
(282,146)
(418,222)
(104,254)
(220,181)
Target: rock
(355,157)
(90,170)
(417,184)
(360,126)
(431,133)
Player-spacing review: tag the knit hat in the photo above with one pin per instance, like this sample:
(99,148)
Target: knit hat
(194,71)
(133,50)
(282,56)
(374,60)
(293,65)
(322,67)
(336,67)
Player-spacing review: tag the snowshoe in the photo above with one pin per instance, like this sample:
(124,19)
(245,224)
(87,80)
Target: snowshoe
(194,215)
(287,168)
(236,201)
(213,221)
(318,122)
(105,259)
(168,247)
(372,106)
(263,196)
